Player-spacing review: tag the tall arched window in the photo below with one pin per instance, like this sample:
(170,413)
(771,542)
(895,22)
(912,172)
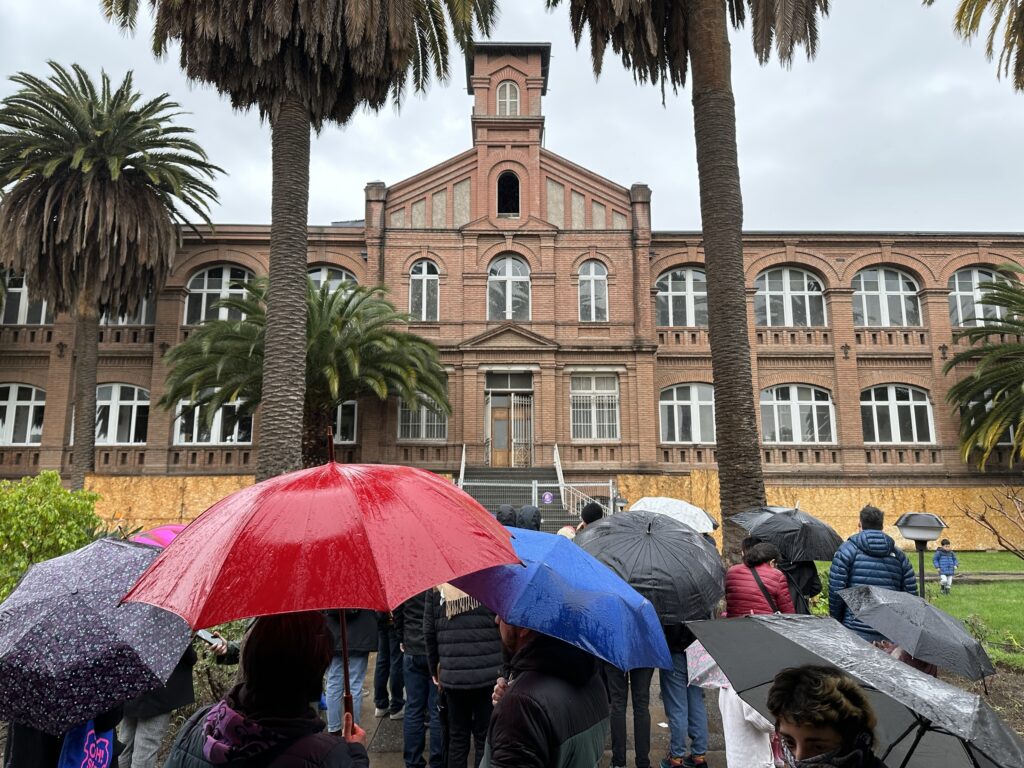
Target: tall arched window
(210,286)
(122,414)
(593,292)
(508,195)
(966,289)
(229,426)
(787,296)
(688,414)
(797,413)
(896,413)
(682,298)
(334,277)
(884,297)
(508,289)
(424,284)
(19,309)
(508,99)
(21,414)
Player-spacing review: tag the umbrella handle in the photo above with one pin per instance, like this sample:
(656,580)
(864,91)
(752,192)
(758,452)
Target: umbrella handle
(347,696)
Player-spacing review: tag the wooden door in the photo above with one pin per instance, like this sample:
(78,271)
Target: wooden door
(501,443)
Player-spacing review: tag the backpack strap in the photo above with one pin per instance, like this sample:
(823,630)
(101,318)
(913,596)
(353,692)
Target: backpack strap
(764,590)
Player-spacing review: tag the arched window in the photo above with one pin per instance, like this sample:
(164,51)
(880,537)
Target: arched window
(122,414)
(593,292)
(508,99)
(508,289)
(682,298)
(884,297)
(896,413)
(21,414)
(966,289)
(228,426)
(345,422)
(797,413)
(334,277)
(787,296)
(688,414)
(210,286)
(424,284)
(145,314)
(19,309)
(508,195)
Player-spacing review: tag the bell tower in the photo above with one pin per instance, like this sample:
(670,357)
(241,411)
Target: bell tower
(507,81)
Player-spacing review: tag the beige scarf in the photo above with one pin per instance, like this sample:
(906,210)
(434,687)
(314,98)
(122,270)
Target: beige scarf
(455,601)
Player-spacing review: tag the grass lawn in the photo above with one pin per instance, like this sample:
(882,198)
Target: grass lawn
(988,562)
(997,607)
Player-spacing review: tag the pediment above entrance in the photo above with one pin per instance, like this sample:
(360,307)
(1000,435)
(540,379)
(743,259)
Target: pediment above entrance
(493,224)
(508,336)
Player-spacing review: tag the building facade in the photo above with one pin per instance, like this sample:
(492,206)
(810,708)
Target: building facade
(565,324)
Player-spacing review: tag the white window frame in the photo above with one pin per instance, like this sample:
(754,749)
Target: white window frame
(585,397)
(508,99)
(883,293)
(423,273)
(216,427)
(593,276)
(19,293)
(693,299)
(1007,438)
(422,423)
(210,296)
(113,404)
(799,397)
(672,403)
(145,314)
(789,294)
(918,398)
(506,275)
(979,276)
(339,439)
(334,276)
(35,404)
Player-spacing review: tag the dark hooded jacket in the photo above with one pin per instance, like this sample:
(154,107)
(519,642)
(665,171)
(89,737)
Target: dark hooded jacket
(409,624)
(804,582)
(867,558)
(528,517)
(362,630)
(466,647)
(506,515)
(554,713)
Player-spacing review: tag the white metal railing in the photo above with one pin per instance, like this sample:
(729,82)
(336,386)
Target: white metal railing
(573,500)
(462,466)
(561,477)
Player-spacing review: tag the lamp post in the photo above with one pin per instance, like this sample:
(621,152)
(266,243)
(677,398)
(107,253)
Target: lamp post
(920,528)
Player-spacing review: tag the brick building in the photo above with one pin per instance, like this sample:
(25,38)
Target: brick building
(563,320)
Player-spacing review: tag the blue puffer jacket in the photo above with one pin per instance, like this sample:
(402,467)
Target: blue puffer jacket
(870,558)
(945,561)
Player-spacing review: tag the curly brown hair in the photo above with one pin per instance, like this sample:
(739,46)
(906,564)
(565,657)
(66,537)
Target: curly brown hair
(823,696)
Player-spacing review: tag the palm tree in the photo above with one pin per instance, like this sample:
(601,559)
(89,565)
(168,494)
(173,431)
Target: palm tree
(304,64)
(1010,14)
(991,397)
(355,345)
(96,180)
(658,41)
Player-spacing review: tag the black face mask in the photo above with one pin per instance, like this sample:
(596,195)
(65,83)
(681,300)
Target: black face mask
(837,758)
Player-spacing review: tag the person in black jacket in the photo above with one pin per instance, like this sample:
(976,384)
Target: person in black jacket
(362,641)
(420,691)
(464,653)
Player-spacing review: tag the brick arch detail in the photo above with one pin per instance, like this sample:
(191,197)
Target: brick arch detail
(508,72)
(676,260)
(808,378)
(347,261)
(27,378)
(608,262)
(954,265)
(913,266)
(419,255)
(514,247)
(228,258)
(140,379)
(695,378)
(801,260)
(878,378)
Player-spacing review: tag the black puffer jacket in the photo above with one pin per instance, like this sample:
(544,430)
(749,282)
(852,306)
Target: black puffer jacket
(554,713)
(176,692)
(466,647)
(362,630)
(409,624)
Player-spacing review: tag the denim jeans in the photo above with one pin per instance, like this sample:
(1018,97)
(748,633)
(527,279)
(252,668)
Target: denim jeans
(335,689)
(684,707)
(388,670)
(420,698)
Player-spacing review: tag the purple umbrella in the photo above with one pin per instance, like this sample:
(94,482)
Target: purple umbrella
(69,649)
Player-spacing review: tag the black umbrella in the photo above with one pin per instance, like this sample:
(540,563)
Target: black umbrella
(69,649)
(922,721)
(667,562)
(921,629)
(798,535)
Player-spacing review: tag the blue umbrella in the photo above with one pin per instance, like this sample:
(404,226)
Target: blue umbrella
(560,590)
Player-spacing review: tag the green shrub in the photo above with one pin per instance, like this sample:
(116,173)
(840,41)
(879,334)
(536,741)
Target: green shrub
(40,519)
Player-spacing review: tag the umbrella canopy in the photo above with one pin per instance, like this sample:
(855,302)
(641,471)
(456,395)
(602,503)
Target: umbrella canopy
(798,535)
(701,668)
(675,568)
(160,536)
(921,629)
(69,649)
(334,536)
(560,590)
(683,511)
(938,725)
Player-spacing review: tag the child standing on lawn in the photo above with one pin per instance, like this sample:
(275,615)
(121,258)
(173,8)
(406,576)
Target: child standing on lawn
(945,562)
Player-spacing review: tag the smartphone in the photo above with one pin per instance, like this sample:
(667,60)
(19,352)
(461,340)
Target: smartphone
(206,637)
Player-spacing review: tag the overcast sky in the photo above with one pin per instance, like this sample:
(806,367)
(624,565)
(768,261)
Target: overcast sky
(896,125)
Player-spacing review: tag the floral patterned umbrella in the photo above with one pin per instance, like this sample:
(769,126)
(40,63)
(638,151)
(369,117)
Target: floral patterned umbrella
(69,649)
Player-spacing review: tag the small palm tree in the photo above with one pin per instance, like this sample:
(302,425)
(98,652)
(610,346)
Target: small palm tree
(991,397)
(355,345)
(1007,14)
(304,64)
(95,180)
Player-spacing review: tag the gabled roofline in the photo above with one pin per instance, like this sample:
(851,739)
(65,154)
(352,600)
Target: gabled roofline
(545,58)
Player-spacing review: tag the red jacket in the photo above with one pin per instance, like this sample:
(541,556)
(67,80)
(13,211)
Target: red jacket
(743,596)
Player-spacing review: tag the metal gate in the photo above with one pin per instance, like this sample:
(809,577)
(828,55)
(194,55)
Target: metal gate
(522,430)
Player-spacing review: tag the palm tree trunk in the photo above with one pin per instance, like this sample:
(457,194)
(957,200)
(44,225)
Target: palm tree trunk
(284,367)
(87,352)
(315,436)
(741,483)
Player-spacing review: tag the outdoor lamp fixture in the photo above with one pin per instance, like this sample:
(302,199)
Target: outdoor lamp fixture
(619,504)
(920,528)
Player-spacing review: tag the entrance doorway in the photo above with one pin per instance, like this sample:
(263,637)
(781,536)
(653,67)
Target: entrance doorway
(508,424)
(501,415)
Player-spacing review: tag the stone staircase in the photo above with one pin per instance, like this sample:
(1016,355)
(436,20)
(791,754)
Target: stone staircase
(494,486)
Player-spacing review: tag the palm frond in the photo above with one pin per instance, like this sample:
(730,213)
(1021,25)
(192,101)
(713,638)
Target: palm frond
(1005,32)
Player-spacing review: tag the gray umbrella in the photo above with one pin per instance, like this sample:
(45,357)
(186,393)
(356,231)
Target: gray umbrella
(921,629)
(69,649)
(922,721)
